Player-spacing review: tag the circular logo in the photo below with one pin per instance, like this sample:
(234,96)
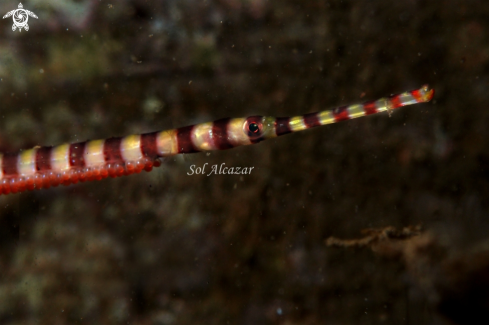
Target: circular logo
(20,18)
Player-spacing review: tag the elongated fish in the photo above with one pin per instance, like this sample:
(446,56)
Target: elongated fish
(43,167)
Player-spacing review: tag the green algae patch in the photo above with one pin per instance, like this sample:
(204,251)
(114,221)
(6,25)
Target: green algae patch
(65,56)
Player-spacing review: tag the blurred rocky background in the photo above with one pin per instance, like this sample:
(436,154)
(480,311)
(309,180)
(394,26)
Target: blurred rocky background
(283,245)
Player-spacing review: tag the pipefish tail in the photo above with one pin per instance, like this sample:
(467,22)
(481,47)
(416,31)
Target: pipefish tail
(43,167)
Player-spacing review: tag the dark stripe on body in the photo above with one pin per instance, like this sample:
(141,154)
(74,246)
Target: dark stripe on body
(395,101)
(9,164)
(43,159)
(417,95)
(282,125)
(311,120)
(370,108)
(76,154)
(220,134)
(148,145)
(341,113)
(184,140)
(112,150)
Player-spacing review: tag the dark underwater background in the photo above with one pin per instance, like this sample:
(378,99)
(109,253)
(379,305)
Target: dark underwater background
(379,220)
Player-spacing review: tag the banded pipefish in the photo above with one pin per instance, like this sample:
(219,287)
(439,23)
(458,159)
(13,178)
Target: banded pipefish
(43,167)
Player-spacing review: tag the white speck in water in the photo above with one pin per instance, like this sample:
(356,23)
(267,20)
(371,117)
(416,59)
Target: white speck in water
(279,311)
(41,70)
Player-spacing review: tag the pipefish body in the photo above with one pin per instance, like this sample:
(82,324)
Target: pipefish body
(43,167)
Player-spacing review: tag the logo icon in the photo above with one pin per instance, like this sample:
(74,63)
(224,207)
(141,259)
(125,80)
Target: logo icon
(20,16)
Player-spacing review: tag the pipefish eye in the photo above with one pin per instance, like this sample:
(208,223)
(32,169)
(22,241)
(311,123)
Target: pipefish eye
(253,128)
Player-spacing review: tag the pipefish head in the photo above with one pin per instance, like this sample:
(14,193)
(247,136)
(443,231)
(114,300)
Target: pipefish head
(253,129)
(250,130)
(259,128)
